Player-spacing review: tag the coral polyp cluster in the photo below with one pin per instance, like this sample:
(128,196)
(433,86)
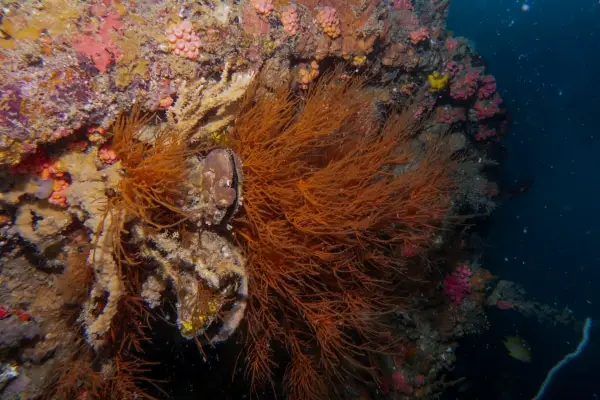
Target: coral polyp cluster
(289,19)
(183,41)
(329,21)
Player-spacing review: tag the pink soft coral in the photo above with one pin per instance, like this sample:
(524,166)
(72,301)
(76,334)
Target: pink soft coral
(457,285)
(486,108)
(465,83)
(488,86)
(449,115)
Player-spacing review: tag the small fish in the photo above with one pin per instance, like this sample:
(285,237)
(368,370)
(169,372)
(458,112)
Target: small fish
(518,348)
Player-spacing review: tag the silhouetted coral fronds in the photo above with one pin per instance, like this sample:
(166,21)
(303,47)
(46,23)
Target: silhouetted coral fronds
(329,192)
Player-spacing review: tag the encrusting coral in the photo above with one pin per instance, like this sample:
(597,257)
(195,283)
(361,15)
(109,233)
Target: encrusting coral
(42,226)
(329,193)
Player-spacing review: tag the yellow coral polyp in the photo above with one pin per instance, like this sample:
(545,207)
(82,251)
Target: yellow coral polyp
(212,308)
(270,46)
(437,82)
(187,328)
(332,32)
(220,138)
(359,60)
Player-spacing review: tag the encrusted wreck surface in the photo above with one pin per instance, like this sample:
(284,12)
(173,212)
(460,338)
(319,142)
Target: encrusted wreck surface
(282,172)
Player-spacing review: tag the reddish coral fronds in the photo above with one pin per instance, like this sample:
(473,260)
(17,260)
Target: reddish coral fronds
(329,194)
(151,187)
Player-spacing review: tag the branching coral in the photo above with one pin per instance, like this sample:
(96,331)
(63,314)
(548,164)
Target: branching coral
(328,195)
(202,97)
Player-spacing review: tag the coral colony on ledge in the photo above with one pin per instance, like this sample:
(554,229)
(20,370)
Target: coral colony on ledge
(293,176)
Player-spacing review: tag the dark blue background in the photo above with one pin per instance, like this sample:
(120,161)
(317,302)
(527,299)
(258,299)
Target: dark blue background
(547,64)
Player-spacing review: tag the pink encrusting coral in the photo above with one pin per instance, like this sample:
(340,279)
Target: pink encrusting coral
(329,21)
(46,170)
(289,20)
(263,7)
(419,35)
(99,47)
(183,41)
(457,285)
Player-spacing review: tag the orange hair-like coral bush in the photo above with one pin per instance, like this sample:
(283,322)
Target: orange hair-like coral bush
(330,193)
(153,172)
(151,188)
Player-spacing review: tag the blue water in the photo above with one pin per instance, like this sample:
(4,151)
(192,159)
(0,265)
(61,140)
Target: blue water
(547,64)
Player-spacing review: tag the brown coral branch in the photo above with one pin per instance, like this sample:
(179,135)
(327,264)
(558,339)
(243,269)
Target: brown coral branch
(329,193)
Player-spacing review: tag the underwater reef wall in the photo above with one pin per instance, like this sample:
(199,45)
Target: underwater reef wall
(294,175)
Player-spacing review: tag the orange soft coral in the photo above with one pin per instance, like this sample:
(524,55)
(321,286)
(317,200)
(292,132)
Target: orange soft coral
(328,195)
(151,188)
(58,196)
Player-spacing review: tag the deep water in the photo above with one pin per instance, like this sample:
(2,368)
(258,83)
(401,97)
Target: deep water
(546,61)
